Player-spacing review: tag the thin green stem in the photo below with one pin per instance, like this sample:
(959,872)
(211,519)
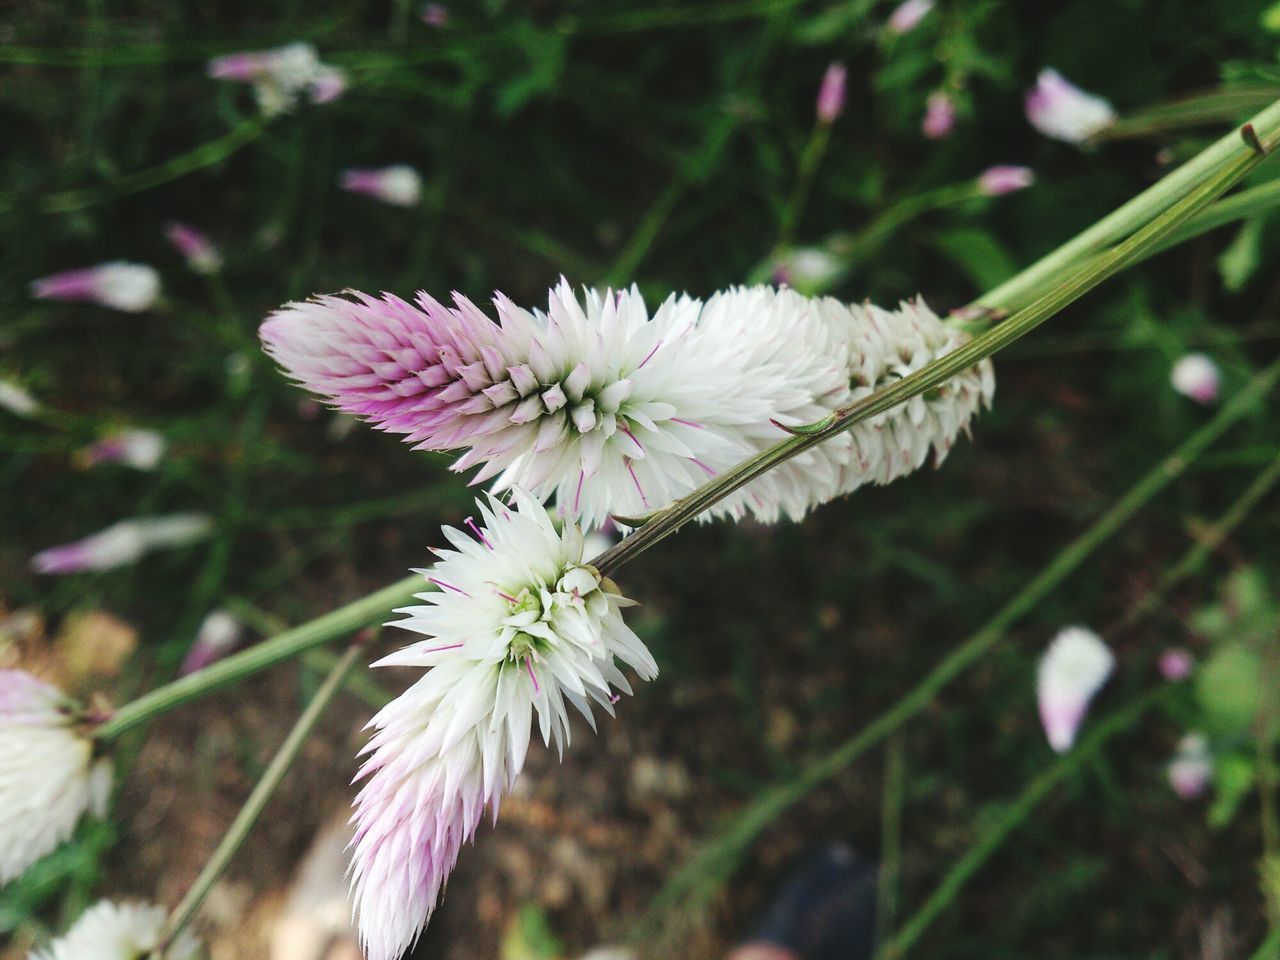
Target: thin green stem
(1014,816)
(257,801)
(667,521)
(717,859)
(887,889)
(1132,215)
(814,151)
(345,620)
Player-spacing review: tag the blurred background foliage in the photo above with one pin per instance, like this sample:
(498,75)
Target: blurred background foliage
(657,143)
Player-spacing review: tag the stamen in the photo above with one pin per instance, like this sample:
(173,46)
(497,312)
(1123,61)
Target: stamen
(470,522)
(614,698)
(636,480)
(688,423)
(710,472)
(447,586)
(528,662)
(655,349)
(577,497)
(452,646)
(504,596)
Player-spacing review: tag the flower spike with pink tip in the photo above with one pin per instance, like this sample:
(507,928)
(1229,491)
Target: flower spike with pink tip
(520,629)
(131,287)
(1061,110)
(1072,671)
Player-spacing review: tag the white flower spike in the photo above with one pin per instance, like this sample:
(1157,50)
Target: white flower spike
(1072,671)
(118,931)
(48,776)
(520,627)
(123,543)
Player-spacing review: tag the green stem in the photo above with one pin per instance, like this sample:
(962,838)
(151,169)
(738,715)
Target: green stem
(1014,815)
(345,620)
(257,801)
(1137,212)
(718,858)
(890,879)
(667,521)
(814,151)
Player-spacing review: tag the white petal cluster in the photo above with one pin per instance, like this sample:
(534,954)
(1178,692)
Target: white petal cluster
(118,931)
(1061,110)
(48,776)
(1073,669)
(520,627)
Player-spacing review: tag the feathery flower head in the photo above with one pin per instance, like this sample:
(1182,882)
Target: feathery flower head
(939,116)
(197,249)
(48,777)
(1005,178)
(219,634)
(1072,671)
(281,76)
(832,93)
(399,185)
(1191,768)
(1196,377)
(520,626)
(907,16)
(1176,663)
(17,400)
(118,931)
(131,287)
(1061,110)
(123,543)
(140,449)
(615,411)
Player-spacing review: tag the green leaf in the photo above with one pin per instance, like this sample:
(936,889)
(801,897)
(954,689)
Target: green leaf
(1233,778)
(1240,261)
(1229,688)
(529,937)
(1270,19)
(983,258)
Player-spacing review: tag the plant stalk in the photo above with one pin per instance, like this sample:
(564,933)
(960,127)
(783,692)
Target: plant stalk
(257,801)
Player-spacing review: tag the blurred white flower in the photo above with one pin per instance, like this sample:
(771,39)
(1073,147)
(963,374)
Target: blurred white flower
(48,775)
(118,931)
(219,634)
(281,76)
(807,269)
(520,628)
(1072,671)
(131,287)
(140,449)
(1061,110)
(1005,178)
(1196,377)
(399,185)
(1191,768)
(17,400)
(123,543)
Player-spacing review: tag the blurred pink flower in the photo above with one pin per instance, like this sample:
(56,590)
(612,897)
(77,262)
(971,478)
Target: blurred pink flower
(281,76)
(1196,376)
(1061,110)
(131,287)
(123,543)
(1176,664)
(197,249)
(399,185)
(831,93)
(1005,178)
(140,449)
(328,84)
(1191,768)
(908,15)
(939,116)
(218,635)
(1072,670)
(435,15)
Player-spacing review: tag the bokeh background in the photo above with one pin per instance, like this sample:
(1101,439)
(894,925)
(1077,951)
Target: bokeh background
(658,143)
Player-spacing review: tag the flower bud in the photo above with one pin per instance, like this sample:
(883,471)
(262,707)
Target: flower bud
(399,185)
(832,93)
(197,249)
(908,15)
(939,116)
(1196,376)
(1061,110)
(1073,669)
(1005,178)
(131,287)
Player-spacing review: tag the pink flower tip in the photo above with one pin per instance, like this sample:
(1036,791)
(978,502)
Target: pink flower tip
(197,249)
(131,287)
(399,185)
(1176,664)
(1005,178)
(908,15)
(831,93)
(1196,377)
(939,116)
(1191,768)
(1061,110)
(435,15)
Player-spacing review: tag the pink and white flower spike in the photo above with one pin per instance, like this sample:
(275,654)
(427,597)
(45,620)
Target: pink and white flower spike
(123,543)
(50,777)
(1197,378)
(197,249)
(1072,671)
(1191,768)
(131,287)
(907,16)
(832,93)
(399,185)
(119,931)
(139,449)
(518,628)
(1061,110)
(1005,178)
(939,116)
